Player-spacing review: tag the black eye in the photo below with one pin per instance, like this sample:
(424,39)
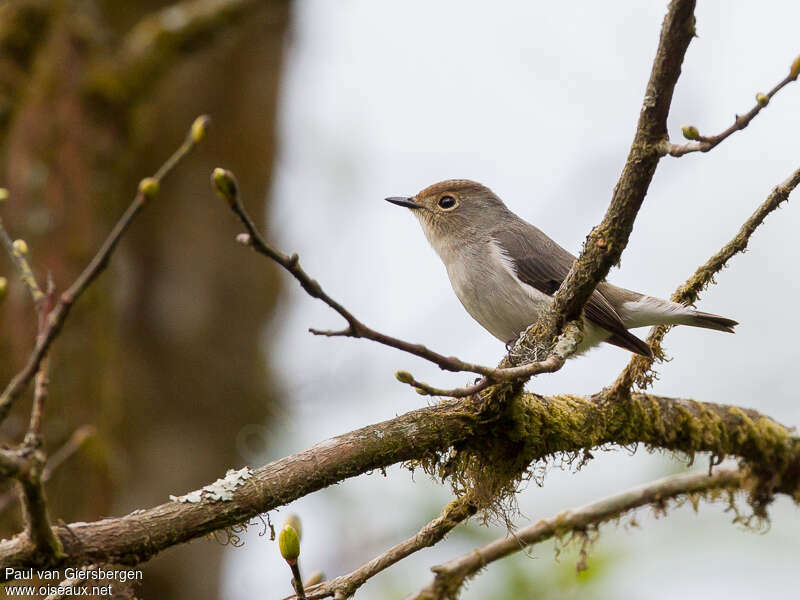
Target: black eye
(447,202)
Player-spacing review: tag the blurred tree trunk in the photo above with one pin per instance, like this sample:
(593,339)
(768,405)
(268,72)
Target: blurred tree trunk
(164,355)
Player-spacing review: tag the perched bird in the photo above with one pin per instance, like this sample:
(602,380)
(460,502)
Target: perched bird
(505,271)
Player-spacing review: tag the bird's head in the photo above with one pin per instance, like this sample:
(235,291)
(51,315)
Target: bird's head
(455,210)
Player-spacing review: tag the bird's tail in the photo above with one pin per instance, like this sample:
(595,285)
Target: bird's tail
(708,321)
(647,310)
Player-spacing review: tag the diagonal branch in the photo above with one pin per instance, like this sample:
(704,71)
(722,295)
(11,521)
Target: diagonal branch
(17,250)
(55,320)
(638,369)
(345,586)
(451,576)
(704,144)
(604,245)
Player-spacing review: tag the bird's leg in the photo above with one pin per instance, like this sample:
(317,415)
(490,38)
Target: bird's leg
(510,348)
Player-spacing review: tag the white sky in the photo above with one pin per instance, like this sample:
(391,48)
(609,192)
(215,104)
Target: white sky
(538,101)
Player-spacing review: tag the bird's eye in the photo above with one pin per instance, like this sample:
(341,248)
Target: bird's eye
(447,202)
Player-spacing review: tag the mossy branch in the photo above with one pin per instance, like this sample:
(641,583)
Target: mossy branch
(451,576)
(463,445)
(638,371)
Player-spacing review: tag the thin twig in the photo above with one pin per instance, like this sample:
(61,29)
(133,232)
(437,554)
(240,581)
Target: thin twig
(565,346)
(638,369)
(432,533)
(147,191)
(21,263)
(33,439)
(297,581)
(451,575)
(706,143)
(428,390)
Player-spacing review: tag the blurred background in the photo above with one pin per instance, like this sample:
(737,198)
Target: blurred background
(329,109)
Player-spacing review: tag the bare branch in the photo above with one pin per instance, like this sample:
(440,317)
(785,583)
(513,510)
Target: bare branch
(33,439)
(565,346)
(345,586)
(450,576)
(55,320)
(704,143)
(424,389)
(17,251)
(638,369)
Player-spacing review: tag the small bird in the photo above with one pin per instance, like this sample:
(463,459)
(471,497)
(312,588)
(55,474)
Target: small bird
(505,271)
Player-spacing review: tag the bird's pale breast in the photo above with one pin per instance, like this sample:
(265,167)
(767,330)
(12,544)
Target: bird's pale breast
(485,283)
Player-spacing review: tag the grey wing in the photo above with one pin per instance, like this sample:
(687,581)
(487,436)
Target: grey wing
(543,264)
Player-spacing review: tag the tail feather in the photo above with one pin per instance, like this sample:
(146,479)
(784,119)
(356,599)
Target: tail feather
(709,321)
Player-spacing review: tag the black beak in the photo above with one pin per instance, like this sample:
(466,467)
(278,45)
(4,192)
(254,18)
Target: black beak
(402,201)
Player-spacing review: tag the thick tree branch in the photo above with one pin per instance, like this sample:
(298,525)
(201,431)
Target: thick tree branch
(536,427)
(55,319)
(135,538)
(450,576)
(638,370)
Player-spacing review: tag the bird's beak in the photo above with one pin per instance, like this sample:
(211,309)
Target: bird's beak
(402,201)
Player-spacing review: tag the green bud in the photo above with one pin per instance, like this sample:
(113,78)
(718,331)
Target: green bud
(794,71)
(199,128)
(3,288)
(225,184)
(149,187)
(762,99)
(403,376)
(20,247)
(3,194)
(289,543)
(690,132)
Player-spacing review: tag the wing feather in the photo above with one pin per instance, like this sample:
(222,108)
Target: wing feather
(543,264)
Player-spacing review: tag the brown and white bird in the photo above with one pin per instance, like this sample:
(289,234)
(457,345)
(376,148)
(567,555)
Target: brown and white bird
(505,271)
